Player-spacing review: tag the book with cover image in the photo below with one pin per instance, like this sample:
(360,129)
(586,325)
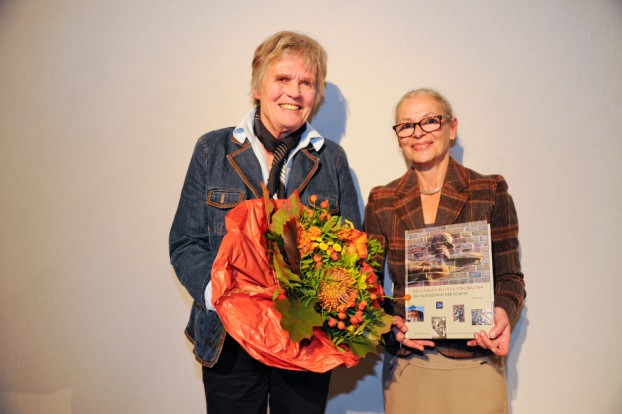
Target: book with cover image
(450,281)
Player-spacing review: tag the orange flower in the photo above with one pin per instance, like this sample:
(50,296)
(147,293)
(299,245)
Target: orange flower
(304,241)
(336,289)
(344,234)
(314,232)
(376,292)
(358,243)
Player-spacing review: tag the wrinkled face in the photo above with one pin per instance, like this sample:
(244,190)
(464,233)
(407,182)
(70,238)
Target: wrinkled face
(286,96)
(426,149)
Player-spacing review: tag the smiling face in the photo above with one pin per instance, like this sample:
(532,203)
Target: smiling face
(426,149)
(287,95)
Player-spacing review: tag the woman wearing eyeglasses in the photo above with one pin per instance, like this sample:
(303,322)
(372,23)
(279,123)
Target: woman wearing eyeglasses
(444,376)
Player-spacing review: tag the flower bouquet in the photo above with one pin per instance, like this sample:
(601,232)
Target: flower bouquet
(296,287)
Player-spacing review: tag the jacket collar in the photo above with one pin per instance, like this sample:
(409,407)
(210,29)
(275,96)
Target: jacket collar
(246,151)
(453,198)
(244,162)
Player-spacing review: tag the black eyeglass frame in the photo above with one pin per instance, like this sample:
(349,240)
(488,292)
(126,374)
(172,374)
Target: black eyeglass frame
(440,125)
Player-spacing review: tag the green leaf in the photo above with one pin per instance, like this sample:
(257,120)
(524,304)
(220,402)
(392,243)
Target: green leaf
(290,209)
(283,273)
(384,325)
(362,346)
(298,319)
(327,227)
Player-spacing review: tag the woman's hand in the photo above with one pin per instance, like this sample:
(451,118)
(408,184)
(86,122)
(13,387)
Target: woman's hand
(498,340)
(400,328)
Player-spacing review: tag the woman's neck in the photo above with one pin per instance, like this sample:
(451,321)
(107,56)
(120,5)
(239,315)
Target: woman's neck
(431,177)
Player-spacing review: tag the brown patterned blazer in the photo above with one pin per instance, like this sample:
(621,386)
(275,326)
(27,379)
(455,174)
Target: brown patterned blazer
(467,196)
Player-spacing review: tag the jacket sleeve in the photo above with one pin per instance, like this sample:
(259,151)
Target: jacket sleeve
(189,247)
(348,196)
(374,228)
(509,281)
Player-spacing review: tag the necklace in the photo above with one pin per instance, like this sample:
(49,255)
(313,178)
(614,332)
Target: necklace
(430,192)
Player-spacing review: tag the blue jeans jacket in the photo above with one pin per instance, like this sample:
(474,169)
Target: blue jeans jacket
(222,173)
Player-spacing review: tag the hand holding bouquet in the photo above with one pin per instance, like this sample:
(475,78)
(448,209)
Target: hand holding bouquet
(296,286)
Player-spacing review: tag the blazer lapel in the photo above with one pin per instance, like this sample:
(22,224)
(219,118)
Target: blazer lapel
(246,165)
(304,166)
(454,196)
(408,205)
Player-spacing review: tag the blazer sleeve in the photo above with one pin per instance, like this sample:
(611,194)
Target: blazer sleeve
(509,280)
(189,247)
(375,229)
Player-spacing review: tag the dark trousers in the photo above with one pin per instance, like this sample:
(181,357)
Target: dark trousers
(239,384)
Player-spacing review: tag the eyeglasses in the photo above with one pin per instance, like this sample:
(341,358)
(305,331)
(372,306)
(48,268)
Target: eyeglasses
(430,124)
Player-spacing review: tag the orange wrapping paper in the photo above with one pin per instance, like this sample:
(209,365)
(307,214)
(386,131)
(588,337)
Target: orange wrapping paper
(243,285)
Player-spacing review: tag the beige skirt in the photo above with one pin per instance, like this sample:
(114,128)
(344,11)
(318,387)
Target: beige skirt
(432,383)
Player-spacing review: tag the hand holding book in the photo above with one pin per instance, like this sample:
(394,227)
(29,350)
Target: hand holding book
(498,339)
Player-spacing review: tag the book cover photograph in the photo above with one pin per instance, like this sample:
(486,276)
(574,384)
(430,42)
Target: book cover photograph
(449,281)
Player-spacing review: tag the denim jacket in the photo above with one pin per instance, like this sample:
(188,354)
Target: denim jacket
(224,172)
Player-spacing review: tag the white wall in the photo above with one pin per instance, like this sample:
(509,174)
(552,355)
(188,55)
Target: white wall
(101,103)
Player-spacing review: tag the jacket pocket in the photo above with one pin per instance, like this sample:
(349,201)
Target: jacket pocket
(220,201)
(223,198)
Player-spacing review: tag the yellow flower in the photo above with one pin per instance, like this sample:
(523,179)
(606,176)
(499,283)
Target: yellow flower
(323,246)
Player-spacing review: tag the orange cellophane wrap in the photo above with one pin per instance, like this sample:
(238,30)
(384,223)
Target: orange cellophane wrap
(243,285)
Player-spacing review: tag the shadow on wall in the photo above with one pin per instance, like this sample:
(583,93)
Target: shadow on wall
(519,335)
(356,388)
(330,120)
(457,150)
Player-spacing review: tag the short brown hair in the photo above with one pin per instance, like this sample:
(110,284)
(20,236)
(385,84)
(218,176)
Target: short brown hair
(285,44)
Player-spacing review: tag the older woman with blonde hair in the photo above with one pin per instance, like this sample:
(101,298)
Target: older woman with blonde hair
(444,376)
(273,145)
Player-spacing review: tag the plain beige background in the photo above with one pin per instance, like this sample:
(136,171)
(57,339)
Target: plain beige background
(101,103)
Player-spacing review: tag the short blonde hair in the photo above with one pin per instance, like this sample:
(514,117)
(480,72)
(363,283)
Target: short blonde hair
(429,92)
(284,44)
